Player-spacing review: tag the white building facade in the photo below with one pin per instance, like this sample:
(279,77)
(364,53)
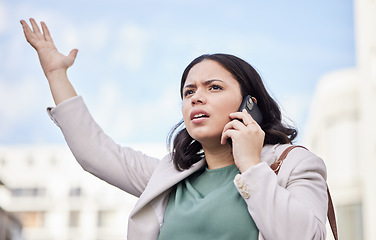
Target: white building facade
(342,130)
(10,226)
(55,199)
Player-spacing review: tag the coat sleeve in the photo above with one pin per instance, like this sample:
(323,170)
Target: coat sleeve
(97,153)
(292,205)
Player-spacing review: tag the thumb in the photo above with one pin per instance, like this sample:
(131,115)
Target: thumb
(73,54)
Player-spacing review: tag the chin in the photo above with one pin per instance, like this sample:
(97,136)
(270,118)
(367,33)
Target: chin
(204,140)
(205,135)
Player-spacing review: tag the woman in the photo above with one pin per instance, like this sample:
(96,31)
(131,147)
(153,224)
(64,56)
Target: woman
(209,187)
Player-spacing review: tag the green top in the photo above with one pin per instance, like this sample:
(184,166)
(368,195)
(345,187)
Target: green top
(207,205)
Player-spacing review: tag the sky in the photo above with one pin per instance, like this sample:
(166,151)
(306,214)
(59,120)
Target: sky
(132,54)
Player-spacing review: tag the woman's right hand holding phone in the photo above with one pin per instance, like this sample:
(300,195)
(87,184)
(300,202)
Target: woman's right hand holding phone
(54,64)
(247,139)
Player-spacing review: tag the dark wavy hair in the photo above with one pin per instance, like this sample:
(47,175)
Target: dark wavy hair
(186,151)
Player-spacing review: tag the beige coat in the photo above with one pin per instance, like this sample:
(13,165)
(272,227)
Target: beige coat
(292,205)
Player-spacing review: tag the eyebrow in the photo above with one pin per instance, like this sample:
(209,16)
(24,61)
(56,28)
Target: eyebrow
(207,82)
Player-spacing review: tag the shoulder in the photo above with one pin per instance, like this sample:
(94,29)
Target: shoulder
(301,163)
(165,164)
(167,159)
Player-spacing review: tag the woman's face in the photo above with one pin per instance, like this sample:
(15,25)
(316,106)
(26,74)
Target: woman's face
(210,94)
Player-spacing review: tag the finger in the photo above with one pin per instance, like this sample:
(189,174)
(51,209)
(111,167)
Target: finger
(239,115)
(250,123)
(234,124)
(244,116)
(71,58)
(26,28)
(29,34)
(226,135)
(73,54)
(35,26)
(230,129)
(46,32)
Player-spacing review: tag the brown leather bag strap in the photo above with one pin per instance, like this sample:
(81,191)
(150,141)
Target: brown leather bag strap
(276,166)
(332,216)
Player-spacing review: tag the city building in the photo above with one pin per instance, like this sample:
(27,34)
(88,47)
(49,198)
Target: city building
(341,129)
(55,199)
(10,226)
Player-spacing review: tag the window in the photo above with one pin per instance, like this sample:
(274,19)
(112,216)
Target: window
(75,192)
(28,192)
(74,219)
(31,219)
(106,218)
(3,162)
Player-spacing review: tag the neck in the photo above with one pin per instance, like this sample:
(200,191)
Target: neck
(218,156)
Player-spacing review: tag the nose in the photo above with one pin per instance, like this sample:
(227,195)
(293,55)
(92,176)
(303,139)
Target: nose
(198,98)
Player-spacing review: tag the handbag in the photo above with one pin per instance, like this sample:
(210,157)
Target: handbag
(331,215)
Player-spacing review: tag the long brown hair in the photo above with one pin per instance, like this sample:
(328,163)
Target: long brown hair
(186,151)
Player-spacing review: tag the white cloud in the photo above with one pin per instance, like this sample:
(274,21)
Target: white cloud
(15,53)
(294,108)
(124,118)
(98,34)
(132,46)
(18,101)
(161,110)
(3,17)
(70,39)
(94,36)
(114,115)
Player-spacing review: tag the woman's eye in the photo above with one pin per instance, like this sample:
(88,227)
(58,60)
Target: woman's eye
(188,92)
(216,87)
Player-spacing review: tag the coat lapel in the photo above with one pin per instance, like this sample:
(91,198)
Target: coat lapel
(166,176)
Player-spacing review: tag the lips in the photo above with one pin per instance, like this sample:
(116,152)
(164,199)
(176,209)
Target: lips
(199,114)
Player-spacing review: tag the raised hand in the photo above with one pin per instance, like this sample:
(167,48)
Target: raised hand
(54,64)
(50,59)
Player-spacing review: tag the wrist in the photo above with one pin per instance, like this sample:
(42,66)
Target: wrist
(248,164)
(56,74)
(244,168)
(60,86)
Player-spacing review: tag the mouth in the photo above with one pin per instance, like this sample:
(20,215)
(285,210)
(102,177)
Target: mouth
(199,114)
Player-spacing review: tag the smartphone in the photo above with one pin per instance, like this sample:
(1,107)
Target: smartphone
(250,105)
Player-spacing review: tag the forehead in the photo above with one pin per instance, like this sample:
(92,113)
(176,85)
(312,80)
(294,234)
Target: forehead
(208,70)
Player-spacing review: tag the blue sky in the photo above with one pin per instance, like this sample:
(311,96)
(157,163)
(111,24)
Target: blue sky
(132,53)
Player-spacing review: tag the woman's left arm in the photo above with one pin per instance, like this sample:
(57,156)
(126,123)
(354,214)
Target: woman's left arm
(292,205)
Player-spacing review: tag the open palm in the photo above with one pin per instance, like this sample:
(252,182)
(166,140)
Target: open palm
(50,58)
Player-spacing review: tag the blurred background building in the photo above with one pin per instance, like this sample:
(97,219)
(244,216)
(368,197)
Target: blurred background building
(10,226)
(54,199)
(342,130)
